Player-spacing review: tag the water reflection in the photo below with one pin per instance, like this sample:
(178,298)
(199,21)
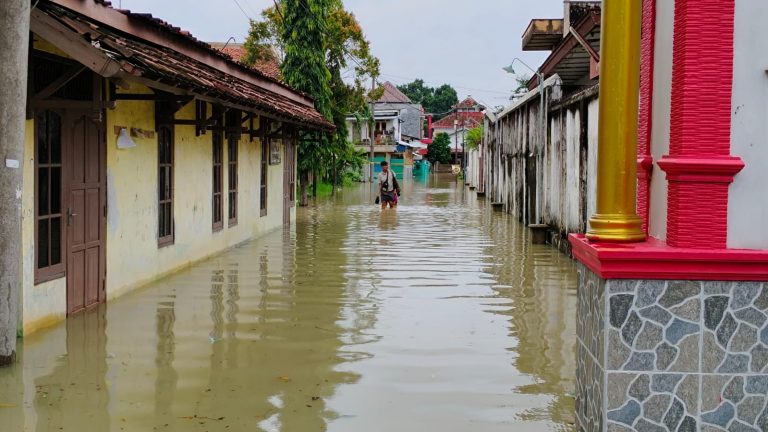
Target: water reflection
(436,316)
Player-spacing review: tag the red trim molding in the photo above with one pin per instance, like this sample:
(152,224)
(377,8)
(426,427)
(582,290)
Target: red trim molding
(699,166)
(720,170)
(655,260)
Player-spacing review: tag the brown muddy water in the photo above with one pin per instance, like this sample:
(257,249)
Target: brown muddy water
(439,316)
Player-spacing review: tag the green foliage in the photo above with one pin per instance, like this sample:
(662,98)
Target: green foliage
(474,137)
(320,42)
(440,149)
(440,100)
(522,83)
(444,99)
(261,43)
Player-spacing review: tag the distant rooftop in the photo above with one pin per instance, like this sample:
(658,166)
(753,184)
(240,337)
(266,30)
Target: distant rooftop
(392,94)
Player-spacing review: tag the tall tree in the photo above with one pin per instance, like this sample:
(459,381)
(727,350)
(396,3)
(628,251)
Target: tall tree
(345,53)
(438,101)
(304,68)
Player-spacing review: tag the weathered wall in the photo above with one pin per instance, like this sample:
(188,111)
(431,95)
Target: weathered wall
(746,214)
(662,103)
(545,181)
(133,255)
(45,303)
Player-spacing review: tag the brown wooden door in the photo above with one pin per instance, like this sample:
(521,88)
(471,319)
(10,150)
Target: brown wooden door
(289,181)
(86,210)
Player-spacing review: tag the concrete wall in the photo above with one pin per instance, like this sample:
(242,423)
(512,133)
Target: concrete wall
(547,181)
(748,201)
(133,255)
(662,102)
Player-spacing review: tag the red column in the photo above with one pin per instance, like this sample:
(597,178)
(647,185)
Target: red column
(645,123)
(699,166)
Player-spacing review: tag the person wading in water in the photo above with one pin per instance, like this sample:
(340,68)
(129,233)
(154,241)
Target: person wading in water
(389,189)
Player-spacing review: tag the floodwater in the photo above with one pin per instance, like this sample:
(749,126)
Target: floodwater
(439,316)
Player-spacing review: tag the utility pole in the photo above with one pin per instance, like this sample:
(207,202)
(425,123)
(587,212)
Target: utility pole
(456,141)
(14,60)
(371,125)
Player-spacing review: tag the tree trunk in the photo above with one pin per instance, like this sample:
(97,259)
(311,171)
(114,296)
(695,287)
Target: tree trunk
(14,61)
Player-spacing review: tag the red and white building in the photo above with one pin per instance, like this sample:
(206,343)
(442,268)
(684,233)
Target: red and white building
(684,312)
(467,115)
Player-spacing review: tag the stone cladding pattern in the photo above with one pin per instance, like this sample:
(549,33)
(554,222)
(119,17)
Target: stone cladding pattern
(671,355)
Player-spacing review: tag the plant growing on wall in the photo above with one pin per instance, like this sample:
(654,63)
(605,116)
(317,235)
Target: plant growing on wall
(474,137)
(440,149)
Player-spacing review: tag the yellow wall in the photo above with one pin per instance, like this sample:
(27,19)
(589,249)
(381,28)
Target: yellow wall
(133,256)
(46,303)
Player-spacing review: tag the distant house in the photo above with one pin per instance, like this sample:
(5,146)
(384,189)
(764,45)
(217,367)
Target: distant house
(397,130)
(468,114)
(146,150)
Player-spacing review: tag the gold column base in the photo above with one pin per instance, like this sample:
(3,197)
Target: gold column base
(615,228)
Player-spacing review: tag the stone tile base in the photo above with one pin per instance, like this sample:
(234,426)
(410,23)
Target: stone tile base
(671,355)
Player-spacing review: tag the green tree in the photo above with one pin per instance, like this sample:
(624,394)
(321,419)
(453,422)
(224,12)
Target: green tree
(439,101)
(440,149)
(417,91)
(304,68)
(340,44)
(444,100)
(475,137)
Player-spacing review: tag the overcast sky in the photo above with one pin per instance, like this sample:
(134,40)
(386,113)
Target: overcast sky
(459,42)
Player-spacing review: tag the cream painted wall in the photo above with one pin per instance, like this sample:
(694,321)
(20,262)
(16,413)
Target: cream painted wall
(662,101)
(748,197)
(46,303)
(133,256)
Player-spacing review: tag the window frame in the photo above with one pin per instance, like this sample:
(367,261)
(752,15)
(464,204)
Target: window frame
(217,138)
(169,239)
(56,271)
(233,181)
(264,178)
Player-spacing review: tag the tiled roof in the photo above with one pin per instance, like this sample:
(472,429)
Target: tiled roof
(142,58)
(392,94)
(471,119)
(468,103)
(270,68)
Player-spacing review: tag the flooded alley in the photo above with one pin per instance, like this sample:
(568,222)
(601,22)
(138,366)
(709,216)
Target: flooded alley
(438,316)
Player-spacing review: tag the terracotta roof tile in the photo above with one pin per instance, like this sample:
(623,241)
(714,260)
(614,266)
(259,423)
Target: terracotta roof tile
(162,64)
(472,119)
(271,68)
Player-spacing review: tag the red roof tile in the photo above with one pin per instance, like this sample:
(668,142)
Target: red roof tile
(468,103)
(472,119)
(271,68)
(140,57)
